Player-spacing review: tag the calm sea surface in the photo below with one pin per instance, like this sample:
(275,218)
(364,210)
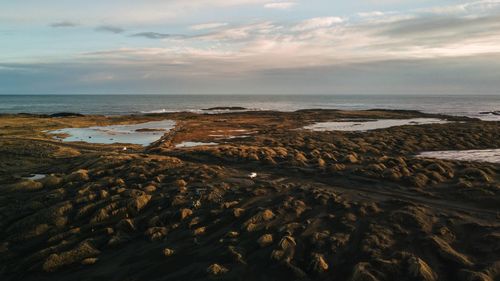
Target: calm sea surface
(127,104)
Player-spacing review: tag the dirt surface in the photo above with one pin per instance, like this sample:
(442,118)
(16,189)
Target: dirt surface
(270,201)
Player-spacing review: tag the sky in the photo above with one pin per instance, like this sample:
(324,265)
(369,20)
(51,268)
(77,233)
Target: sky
(250,47)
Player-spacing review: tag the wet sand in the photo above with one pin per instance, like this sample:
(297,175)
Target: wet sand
(281,203)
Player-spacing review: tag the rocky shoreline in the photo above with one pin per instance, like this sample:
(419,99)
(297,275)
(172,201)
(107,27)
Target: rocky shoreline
(270,201)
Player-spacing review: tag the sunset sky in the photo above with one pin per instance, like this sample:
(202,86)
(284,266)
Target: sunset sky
(250,47)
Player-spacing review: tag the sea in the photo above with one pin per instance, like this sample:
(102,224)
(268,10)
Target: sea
(485,107)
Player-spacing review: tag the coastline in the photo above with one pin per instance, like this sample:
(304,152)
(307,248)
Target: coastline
(476,106)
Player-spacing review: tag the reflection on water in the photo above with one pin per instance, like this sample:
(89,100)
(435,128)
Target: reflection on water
(371,124)
(35,177)
(483,155)
(142,134)
(193,144)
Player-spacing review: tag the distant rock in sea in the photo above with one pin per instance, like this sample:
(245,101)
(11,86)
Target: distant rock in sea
(490,112)
(66,114)
(226,108)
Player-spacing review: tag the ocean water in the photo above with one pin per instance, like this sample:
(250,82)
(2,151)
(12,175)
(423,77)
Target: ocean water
(471,105)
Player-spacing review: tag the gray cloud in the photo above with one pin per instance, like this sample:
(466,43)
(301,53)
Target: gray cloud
(442,24)
(64,24)
(155,35)
(110,28)
(465,75)
(453,35)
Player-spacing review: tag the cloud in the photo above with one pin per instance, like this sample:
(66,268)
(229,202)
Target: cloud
(478,7)
(314,23)
(477,74)
(211,25)
(371,14)
(156,35)
(239,33)
(110,28)
(449,48)
(280,5)
(321,42)
(64,24)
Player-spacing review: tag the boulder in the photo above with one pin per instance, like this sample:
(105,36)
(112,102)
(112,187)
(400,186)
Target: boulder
(420,270)
(265,240)
(318,263)
(167,252)
(81,252)
(285,250)
(216,269)
(140,202)
(184,213)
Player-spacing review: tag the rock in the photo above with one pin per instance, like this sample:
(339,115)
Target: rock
(184,213)
(180,183)
(476,174)
(351,159)
(257,221)
(448,253)
(156,233)
(237,256)
(267,215)
(300,157)
(120,182)
(126,225)
(167,252)
(150,188)
(318,263)
(361,272)
(337,167)
(132,193)
(228,205)
(420,269)
(436,176)
(83,251)
(392,174)
(51,181)
(469,275)
(89,261)
(27,185)
(103,194)
(419,180)
(78,176)
(321,163)
(285,250)
(66,114)
(199,231)
(265,240)
(237,212)
(216,269)
(378,168)
(140,202)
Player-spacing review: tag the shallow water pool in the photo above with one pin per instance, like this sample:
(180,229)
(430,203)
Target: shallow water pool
(367,125)
(142,134)
(483,155)
(35,177)
(194,144)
